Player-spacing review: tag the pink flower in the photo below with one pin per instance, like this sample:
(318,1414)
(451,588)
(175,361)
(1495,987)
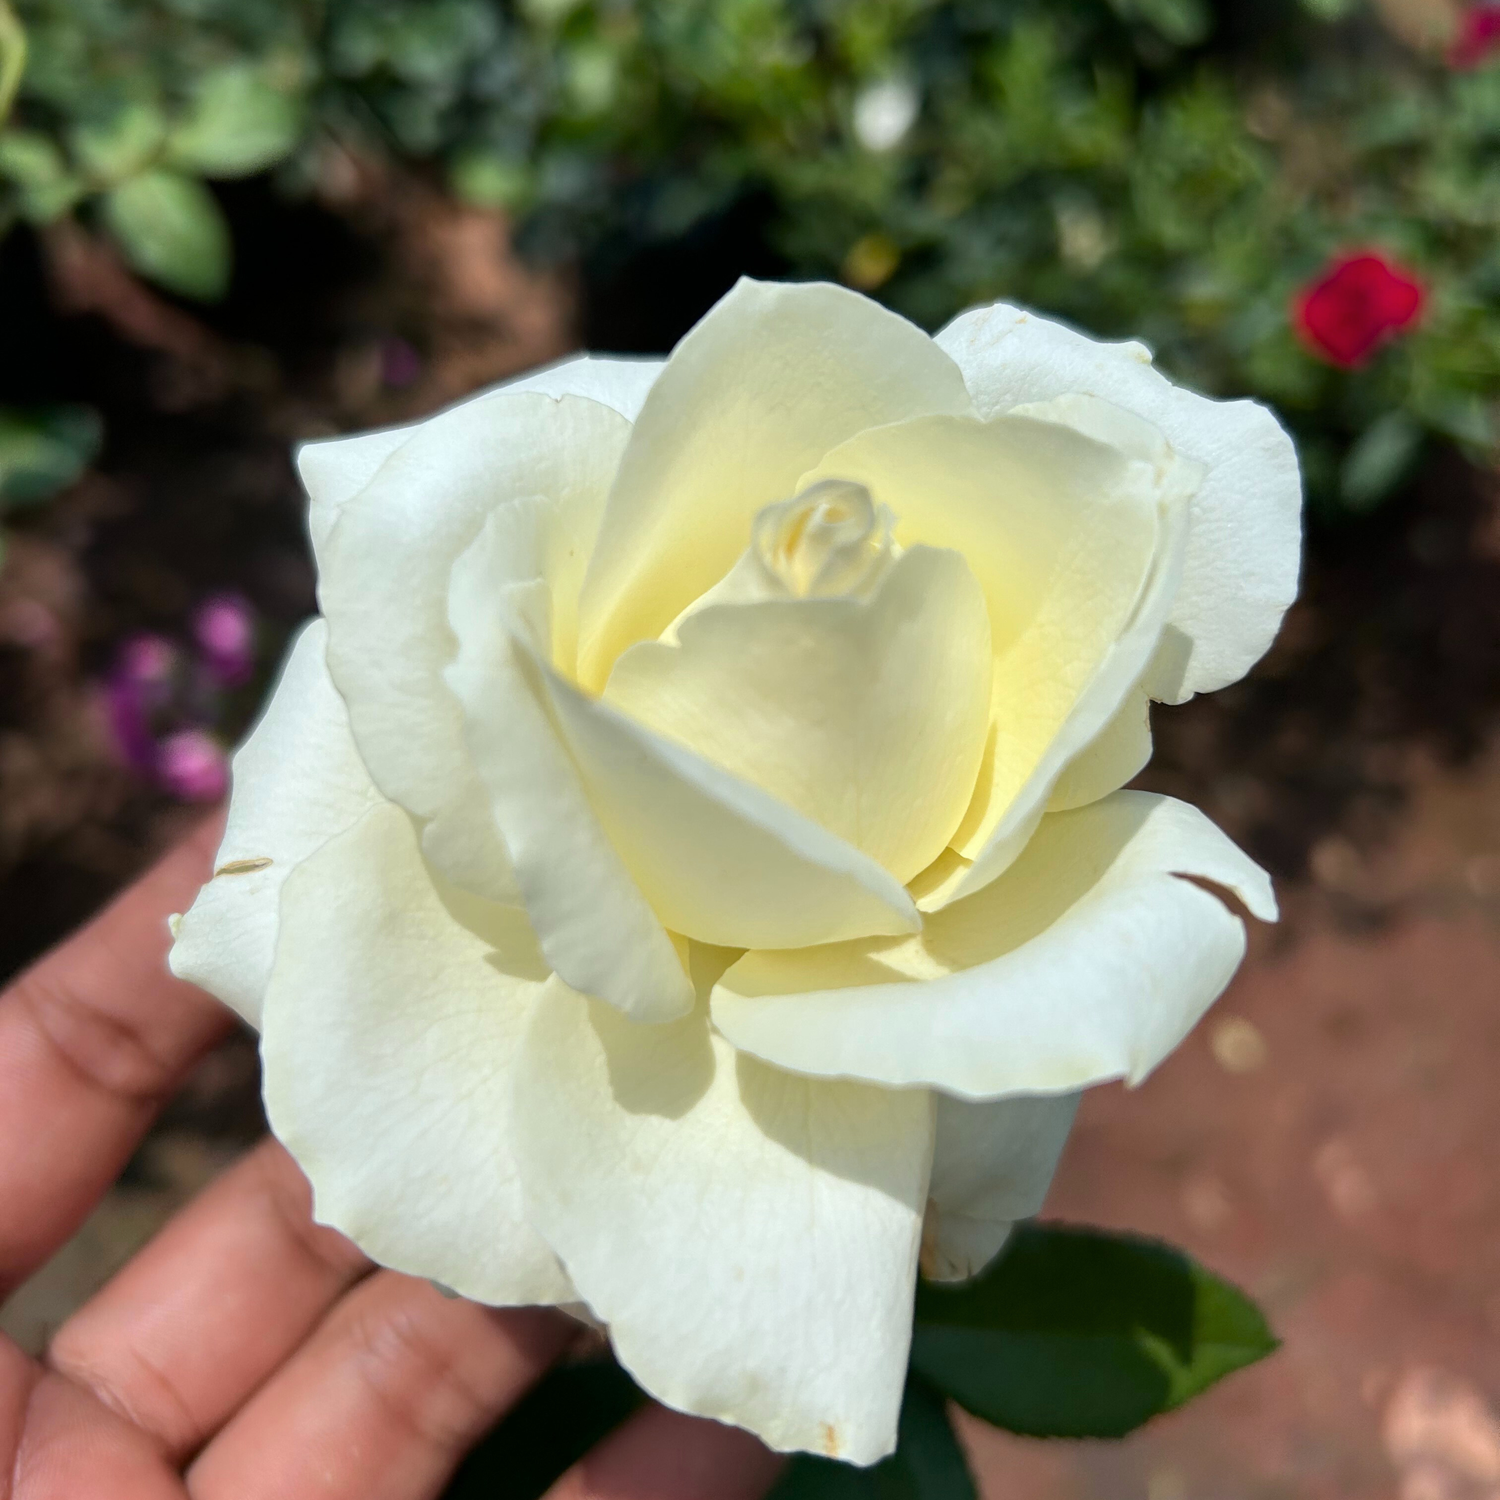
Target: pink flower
(1478,37)
(147,662)
(224,628)
(191,765)
(138,688)
(1361,302)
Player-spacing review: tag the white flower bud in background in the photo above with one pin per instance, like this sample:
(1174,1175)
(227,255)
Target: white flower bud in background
(884,112)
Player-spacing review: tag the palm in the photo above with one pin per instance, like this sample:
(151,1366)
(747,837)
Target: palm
(245,1351)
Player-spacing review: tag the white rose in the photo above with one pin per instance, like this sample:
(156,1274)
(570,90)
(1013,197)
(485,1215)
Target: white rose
(684,872)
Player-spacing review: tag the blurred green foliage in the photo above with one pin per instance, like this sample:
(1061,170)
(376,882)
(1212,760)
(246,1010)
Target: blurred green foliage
(1149,168)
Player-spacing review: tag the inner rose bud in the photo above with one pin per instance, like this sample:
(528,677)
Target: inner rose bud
(831,539)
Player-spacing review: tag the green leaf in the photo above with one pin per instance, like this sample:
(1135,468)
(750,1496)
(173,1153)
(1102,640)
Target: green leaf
(1184,23)
(546,1433)
(1079,1333)
(171,230)
(120,146)
(44,450)
(40,173)
(489,180)
(237,123)
(928,1463)
(1381,457)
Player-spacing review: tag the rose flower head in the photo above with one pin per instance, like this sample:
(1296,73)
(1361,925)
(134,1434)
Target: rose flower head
(1358,304)
(1477,39)
(684,871)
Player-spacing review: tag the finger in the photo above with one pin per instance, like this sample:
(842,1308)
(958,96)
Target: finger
(384,1399)
(94,1038)
(180,1338)
(56,1441)
(664,1455)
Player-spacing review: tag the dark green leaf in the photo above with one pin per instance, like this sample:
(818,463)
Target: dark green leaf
(547,1432)
(1078,1333)
(1183,22)
(45,450)
(171,230)
(928,1463)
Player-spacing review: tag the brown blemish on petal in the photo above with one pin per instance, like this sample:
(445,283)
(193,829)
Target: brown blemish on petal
(829,1434)
(244,866)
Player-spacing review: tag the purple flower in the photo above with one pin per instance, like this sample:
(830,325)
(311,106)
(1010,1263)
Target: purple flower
(147,663)
(191,765)
(138,688)
(129,724)
(224,629)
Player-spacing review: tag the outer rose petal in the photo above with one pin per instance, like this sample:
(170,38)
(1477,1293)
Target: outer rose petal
(767,382)
(749,1237)
(384,589)
(391,1029)
(335,470)
(992,1164)
(1244,542)
(298,781)
(1089,959)
(867,715)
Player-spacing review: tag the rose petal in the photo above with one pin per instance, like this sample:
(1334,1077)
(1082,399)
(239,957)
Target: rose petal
(868,716)
(392,1024)
(1244,544)
(596,928)
(992,1164)
(1117,754)
(334,470)
(384,589)
(772,378)
(1061,532)
(1088,959)
(297,782)
(749,1237)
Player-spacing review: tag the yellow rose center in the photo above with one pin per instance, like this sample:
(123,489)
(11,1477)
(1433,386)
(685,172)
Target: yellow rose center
(831,539)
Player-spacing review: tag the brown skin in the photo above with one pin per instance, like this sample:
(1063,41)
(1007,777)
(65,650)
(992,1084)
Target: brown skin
(245,1352)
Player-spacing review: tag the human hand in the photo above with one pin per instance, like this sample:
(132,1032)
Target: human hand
(246,1351)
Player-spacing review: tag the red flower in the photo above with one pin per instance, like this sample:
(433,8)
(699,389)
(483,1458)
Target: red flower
(1358,303)
(1478,37)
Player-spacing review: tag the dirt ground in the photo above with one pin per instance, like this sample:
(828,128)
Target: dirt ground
(1327,1137)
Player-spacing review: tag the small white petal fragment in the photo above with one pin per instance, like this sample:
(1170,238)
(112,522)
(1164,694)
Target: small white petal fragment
(769,381)
(884,112)
(749,1237)
(1244,542)
(867,715)
(1088,959)
(297,781)
(392,1024)
(992,1164)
